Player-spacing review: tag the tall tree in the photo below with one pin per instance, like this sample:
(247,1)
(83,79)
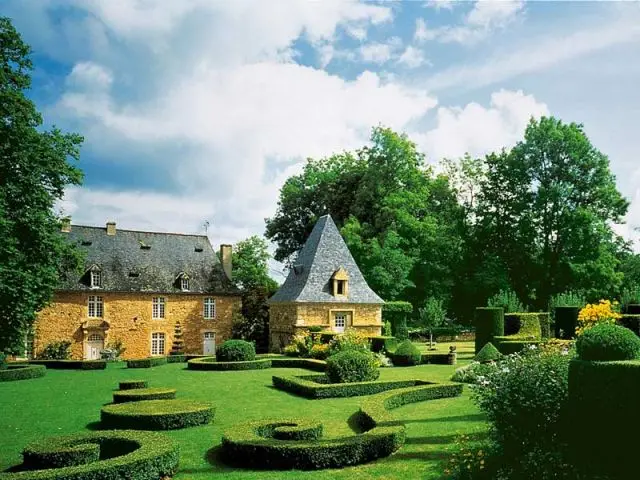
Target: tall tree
(545,211)
(34,171)
(400,220)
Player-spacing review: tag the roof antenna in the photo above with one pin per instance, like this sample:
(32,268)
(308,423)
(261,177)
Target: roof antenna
(206,227)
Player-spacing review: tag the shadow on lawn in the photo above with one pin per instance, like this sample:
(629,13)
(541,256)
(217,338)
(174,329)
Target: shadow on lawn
(94,426)
(472,417)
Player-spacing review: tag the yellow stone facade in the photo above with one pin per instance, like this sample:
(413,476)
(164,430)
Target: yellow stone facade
(128,317)
(285,319)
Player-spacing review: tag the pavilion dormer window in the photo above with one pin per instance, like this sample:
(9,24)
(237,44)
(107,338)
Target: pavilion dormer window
(182,282)
(340,283)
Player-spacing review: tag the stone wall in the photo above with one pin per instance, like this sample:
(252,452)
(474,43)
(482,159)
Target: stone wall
(286,318)
(128,317)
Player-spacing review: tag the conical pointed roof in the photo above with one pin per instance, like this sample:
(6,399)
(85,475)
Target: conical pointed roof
(322,255)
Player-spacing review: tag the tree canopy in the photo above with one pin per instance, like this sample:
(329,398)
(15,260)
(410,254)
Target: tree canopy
(34,171)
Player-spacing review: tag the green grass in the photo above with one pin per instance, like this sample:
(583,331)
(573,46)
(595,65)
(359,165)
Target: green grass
(67,402)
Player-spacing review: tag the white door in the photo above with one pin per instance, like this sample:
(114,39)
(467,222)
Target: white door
(209,343)
(340,322)
(95,344)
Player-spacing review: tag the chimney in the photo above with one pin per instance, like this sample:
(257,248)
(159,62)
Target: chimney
(225,258)
(66,225)
(111,228)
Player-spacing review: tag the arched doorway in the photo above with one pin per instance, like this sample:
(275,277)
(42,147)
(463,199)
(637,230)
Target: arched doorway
(93,346)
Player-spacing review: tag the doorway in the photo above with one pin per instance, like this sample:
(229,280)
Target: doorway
(94,345)
(209,343)
(340,322)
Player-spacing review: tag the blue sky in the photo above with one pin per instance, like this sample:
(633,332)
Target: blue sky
(199,110)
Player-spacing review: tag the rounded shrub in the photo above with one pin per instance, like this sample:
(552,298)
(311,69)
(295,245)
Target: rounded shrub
(608,342)
(113,455)
(407,354)
(352,366)
(137,394)
(156,414)
(22,372)
(489,323)
(133,384)
(236,351)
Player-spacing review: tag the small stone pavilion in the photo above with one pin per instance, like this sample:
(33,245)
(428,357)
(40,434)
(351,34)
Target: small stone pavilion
(324,288)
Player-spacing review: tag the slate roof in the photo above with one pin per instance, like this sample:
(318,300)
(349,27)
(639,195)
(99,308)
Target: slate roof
(323,253)
(121,256)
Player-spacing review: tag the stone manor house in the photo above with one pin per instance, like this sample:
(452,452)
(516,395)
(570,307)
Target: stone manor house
(140,288)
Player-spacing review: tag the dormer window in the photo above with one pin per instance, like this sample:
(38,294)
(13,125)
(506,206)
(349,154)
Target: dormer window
(182,282)
(96,279)
(340,283)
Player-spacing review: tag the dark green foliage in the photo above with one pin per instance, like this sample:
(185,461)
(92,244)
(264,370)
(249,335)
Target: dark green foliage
(632,322)
(72,364)
(246,446)
(545,325)
(608,342)
(41,456)
(147,362)
(34,174)
(605,393)
(22,372)
(56,351)
(210,363)
(127,454)
(132,384)
(383,344)
(566,321)
(156,414)
(317,386)
(315,328)
(294,430)
(438,358)
(308,363)
(3,361)
(236,351)
(507,347)
(176,358)
(396,313)
(632,309)
(352,366)
(489,323)
(488,353)
(138,394)
(406,355)
(326,337)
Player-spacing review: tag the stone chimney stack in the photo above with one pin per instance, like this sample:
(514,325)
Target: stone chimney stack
(225,258)
(111,228)
(66,225)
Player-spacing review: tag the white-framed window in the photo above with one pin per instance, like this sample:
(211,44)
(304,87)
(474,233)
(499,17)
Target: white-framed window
(341,320)
(184,283)
(96,279)
(28,345)
(157,343)
(95,307)
(209,308)
(94,337)
(157,310)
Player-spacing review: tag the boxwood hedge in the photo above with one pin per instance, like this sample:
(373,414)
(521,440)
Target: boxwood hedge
(210,363)
(156,414)
(22,372)
(137,394)
(308,363)
(72,364)
(132,384)
(53,455)
(317,386)
(383,344)
(126,455)
(603,404)
(489,323)
(147,362)
(507,347)
(438,358)
(253,444)
(176,358)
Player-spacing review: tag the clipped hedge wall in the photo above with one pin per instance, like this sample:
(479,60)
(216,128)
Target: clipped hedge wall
(132,384)
(632,322)
(489,323)
(396,313)
(507,347)
(603,404)
(308,363)
(438,358)
(156,414)
(246,446)
(72,364)
(147,362)
(380,344)
(22,372)
(138,394)
(176,358)
(210,363)
(566,321)
(41,456)
(132,455)
(530,326)
(318,386)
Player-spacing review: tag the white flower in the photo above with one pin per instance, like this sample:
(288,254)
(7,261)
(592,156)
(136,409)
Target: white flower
(532,347)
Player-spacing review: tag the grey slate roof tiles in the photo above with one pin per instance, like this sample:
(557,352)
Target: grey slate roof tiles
(323,253)
(135,261)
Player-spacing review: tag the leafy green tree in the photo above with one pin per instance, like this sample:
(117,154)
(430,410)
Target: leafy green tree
(432,315)
(251,273)
(545,211)
(34,171)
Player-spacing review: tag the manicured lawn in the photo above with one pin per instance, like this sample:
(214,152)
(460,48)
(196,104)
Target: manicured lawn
(465,350)
(70,401)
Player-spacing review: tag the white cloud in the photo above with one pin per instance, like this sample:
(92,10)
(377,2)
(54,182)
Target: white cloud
(378,52)
(442,4)
(412,57)
(479,130)
(538,54)
(422,33)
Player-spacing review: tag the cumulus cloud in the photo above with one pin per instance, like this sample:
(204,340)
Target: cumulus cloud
(412,57)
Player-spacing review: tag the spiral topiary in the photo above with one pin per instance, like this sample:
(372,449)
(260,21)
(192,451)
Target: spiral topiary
(608,342)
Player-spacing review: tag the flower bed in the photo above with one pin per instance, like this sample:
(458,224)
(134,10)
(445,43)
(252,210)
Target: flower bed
(157,414)
(129,455)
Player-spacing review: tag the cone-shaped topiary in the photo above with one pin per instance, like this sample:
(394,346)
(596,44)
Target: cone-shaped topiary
(608,342)
(488,353)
